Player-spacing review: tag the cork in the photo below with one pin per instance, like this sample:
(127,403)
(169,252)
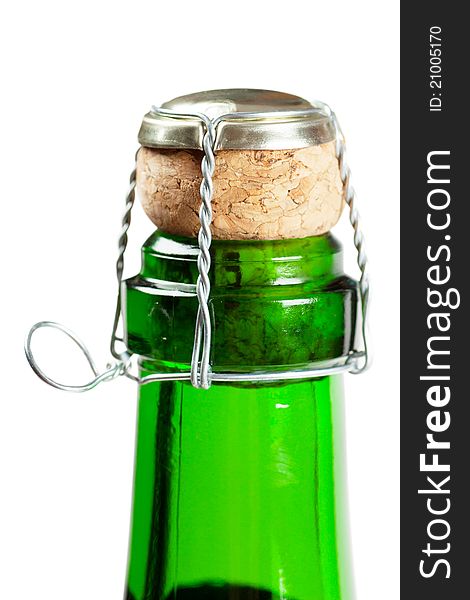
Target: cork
(258,194)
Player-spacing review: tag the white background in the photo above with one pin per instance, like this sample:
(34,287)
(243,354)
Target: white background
(76,80)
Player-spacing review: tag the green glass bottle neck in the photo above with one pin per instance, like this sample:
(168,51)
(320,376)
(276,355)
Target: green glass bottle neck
(238,489)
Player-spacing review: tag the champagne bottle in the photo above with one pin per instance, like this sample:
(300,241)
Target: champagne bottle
(242,322)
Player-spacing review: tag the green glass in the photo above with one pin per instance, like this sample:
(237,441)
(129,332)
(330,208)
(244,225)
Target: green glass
(239,490)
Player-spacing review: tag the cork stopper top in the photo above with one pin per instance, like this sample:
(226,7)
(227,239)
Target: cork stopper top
(276,173)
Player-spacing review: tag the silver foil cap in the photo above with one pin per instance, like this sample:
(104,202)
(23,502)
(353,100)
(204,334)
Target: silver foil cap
(243,119)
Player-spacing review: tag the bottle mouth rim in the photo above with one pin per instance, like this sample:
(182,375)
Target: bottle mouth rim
(279,250)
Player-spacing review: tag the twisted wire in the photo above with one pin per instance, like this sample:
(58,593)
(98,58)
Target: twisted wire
(122,245)
(200,360)
(354,218)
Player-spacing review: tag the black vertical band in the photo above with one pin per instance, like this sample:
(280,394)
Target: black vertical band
(435,323)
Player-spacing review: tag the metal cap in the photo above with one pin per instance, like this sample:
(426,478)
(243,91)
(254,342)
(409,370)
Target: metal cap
(243,119)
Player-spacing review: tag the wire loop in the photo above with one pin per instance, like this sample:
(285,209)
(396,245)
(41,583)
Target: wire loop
(112,370)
